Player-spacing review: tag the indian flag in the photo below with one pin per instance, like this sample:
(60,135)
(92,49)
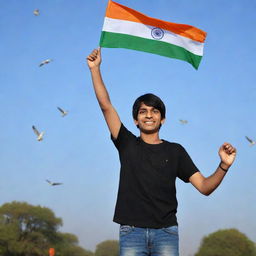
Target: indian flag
(127,28)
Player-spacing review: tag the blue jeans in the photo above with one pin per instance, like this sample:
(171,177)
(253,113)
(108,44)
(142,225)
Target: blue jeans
(135,241)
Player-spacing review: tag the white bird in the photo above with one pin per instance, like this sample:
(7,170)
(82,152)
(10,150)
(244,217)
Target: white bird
(36,12)
(252,142)
(45,62)
(183,121)
(54,183)
(38,134)
(63,112)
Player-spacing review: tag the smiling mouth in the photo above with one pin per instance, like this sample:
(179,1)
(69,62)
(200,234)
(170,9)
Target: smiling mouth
(149,122)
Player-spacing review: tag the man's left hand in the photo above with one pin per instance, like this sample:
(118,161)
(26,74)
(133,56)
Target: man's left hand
(227,155)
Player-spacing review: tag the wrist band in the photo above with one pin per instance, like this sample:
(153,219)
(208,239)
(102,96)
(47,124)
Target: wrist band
(225,170)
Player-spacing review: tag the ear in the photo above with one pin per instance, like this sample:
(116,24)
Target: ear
(136,122)
(162,121)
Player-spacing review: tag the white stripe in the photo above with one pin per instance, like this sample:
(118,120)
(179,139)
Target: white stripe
(144,31)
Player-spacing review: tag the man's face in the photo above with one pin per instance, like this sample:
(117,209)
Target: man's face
(149,119)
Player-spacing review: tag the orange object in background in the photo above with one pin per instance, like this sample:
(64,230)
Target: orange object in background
(51,252)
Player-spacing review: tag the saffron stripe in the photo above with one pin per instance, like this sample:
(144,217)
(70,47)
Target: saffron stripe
(121,12)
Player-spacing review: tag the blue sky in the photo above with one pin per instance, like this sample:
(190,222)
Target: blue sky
(218,101)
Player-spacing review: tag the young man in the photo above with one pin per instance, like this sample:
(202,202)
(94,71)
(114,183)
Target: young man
(146,204)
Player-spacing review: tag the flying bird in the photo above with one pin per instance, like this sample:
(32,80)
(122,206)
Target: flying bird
(63,112)
(54,183)
(252,142)
(38,134)
(183,121)
(36,12)
(45,62)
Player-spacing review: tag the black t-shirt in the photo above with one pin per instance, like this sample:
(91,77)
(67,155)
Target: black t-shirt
(147,193)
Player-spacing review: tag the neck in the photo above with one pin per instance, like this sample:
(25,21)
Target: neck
(151,138)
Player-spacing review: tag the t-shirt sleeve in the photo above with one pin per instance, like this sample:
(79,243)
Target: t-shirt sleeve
(123,137)
(186,167)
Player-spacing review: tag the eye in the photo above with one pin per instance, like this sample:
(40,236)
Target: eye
(142,111)
(156,111)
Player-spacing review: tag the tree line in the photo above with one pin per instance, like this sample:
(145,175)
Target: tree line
(27,230)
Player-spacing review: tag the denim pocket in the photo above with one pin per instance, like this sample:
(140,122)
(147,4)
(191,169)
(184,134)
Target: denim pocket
(173,230)
(125,230)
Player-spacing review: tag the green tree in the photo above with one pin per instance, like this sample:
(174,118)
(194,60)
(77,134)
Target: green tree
(107,248)
(228,242)
(27,230)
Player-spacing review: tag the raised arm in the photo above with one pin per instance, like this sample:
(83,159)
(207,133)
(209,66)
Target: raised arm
(207,185)
(109,112)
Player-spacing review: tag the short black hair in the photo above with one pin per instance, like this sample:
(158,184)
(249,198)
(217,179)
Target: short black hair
(151,100)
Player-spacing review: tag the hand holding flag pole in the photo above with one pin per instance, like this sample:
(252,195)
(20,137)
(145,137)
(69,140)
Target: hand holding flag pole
(94,59)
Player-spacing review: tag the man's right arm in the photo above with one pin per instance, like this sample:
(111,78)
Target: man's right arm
(112,119)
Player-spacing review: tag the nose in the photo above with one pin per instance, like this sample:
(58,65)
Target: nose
(148,114)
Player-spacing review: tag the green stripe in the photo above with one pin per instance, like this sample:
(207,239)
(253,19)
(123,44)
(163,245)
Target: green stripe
(116,40)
